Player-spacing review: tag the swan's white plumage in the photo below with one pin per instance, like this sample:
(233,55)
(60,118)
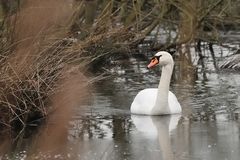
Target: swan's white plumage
(145,100)
(158,101)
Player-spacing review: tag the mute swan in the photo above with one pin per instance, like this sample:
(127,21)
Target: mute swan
(158,101)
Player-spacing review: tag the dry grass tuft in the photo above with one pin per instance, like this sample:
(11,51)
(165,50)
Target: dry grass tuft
(51,75)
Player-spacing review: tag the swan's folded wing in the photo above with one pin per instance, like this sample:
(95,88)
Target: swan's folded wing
(144,101)
(173,103)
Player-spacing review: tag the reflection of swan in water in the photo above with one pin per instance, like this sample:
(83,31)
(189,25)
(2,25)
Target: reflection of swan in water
(232,62)
(158,101)
(159,126)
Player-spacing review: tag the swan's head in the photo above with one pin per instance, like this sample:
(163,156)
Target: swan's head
(162,58)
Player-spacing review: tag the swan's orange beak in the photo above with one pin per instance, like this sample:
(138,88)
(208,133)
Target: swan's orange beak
(153,62)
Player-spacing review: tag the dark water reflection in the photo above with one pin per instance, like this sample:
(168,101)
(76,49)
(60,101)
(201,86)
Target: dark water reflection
(208,128)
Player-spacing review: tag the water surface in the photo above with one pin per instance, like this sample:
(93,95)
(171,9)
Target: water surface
(208,128)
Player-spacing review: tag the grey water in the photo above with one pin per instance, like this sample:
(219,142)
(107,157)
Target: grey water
(104,129)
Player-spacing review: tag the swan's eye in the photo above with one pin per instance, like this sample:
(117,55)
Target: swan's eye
(158,57)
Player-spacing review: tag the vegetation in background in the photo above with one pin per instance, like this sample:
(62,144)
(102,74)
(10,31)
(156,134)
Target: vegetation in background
(37,55)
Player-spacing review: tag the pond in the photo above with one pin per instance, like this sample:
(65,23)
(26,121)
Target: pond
(208,128)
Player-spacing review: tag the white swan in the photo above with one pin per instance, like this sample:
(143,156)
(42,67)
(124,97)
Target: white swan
(158,101)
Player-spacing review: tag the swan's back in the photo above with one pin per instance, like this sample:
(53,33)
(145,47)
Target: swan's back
(145,100)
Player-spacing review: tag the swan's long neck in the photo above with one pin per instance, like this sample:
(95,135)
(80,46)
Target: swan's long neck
(161,105)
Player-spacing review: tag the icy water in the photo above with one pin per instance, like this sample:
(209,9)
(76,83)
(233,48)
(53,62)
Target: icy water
(208,128)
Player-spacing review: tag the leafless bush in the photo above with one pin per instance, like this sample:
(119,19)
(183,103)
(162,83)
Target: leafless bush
(27,94)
